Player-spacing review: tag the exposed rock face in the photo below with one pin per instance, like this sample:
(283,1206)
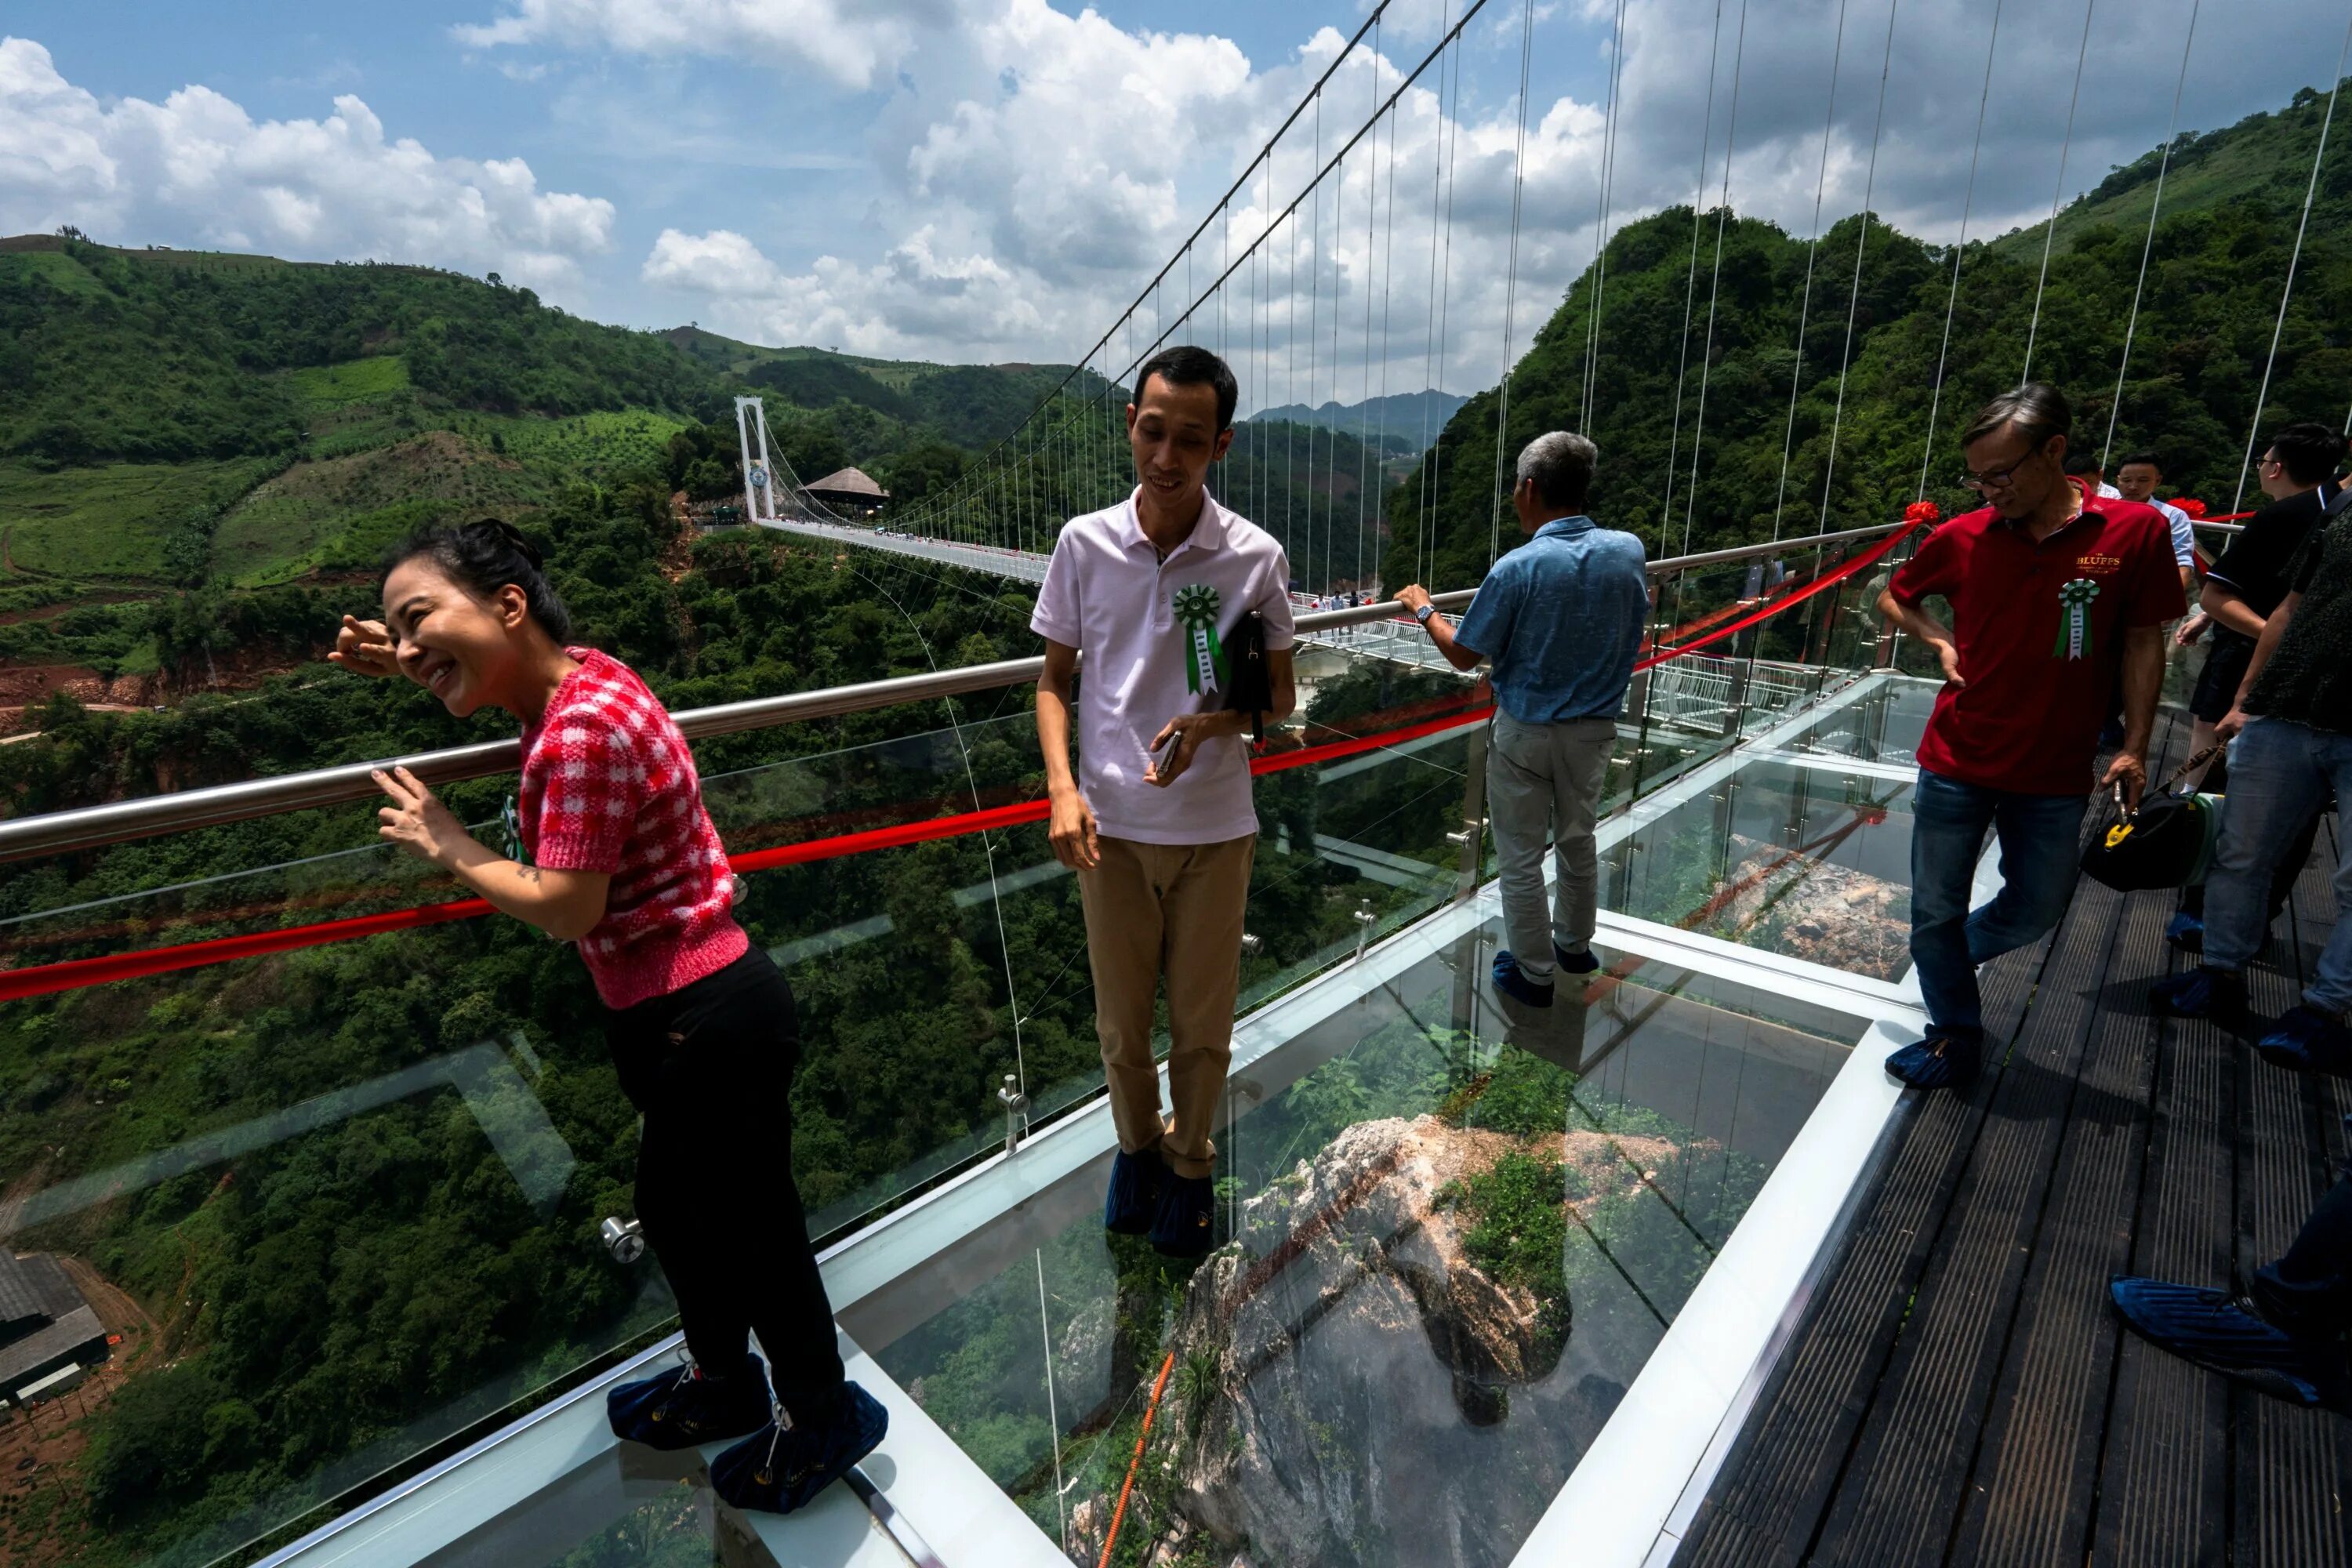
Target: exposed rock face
(1350,1386)
(1819,910)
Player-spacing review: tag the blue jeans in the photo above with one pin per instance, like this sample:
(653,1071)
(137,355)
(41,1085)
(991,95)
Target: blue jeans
(2279,773)
(2039,852)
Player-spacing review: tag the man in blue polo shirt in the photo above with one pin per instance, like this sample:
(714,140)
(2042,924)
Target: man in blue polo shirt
(1559,619)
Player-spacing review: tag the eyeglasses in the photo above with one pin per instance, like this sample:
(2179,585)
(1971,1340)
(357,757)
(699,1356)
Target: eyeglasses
(2261,463)
(1996,479)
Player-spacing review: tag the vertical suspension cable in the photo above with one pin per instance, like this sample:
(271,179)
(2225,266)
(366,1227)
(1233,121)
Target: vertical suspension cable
(1429,323)
(1371,216)
(1861,249)
(1715,282)
(1960,254)
(1805,303)
(2279,327)
(1331,431)
(1451,128)
(1314,330)
(2050,235)
(2147,246)
(1511,284)
(1690,284)
(1586,406)
(1388,277)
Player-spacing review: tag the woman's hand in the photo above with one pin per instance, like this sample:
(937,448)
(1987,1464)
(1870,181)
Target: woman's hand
(417,821)
(364,647)
(2190,629)
(2231,724)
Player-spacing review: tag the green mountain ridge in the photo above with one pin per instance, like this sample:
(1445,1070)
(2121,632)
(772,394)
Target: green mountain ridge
(1703,448)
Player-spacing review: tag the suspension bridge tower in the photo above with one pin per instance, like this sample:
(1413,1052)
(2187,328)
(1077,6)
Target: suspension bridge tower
(759,473)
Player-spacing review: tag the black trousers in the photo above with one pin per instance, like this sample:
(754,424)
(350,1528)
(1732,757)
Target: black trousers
(711,1067)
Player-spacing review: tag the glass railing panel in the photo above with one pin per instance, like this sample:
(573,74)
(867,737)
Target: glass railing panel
(1884,725)
(1446,1246)
(1806,861)
(332,1207)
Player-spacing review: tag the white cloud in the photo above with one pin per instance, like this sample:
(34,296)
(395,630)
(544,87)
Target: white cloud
(854,43)
(197,169)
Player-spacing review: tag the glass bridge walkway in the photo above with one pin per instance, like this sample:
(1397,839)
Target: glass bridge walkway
(1667,1272)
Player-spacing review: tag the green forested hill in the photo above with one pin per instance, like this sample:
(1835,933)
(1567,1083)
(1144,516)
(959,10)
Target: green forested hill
(1692,423)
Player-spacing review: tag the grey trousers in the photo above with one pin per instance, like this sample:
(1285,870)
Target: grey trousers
(1543,782)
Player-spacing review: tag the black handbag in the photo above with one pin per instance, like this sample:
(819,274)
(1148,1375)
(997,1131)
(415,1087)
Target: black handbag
(2167,842)
(1249,688)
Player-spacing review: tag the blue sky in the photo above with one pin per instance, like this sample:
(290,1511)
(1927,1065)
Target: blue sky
(987,179)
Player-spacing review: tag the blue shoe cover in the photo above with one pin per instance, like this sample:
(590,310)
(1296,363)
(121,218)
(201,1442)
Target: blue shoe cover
(1939,1061)
(1513,981)
(682,1409)
(2307,1040)
(2186,933)
(1186,1223)
(2201,993)
(1134,1195)
(779,1468)
(2217,1330)
(1581,963)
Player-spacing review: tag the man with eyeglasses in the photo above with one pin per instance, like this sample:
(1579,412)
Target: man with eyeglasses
(2055,593)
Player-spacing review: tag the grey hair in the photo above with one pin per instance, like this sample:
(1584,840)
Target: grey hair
(1560,466)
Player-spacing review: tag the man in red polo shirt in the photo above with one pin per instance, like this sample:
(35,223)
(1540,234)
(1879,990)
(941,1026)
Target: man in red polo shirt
(2055,593)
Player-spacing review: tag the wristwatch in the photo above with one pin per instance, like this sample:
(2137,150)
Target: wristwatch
(1422,614)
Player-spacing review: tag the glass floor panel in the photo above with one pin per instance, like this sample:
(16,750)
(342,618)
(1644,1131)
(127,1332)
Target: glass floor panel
(1804,862)
(1443,1251)
(684,1527)
(1885,726)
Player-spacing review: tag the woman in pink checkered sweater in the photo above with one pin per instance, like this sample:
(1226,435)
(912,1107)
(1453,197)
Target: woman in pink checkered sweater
(618,854)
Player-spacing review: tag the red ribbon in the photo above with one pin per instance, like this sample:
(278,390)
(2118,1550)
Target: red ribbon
(73,975)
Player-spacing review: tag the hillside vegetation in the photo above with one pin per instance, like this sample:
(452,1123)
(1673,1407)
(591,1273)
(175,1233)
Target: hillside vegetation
(2233,202)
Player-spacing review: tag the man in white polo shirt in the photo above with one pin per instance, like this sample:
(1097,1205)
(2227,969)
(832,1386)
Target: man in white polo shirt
(1158,821)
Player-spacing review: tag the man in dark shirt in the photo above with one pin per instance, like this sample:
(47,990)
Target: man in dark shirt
(2297,472)
(2055,595)
(2293,728)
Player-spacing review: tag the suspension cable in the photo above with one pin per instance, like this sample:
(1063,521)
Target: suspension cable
(1452,129)
(2147,246)
(1422,543)
(1587,408)
(2278,328)
(1715,282)
(1511,281)
(1388,278)
(1805,303)
(2050,235)
(1690,284)
(1959,253)
(1861,248)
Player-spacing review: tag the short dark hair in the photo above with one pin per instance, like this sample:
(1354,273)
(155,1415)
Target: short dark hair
(2038,409)
(2080,463)
(1186,365)
(2147,459)
(483,557)
(1559,465)
(2310,451)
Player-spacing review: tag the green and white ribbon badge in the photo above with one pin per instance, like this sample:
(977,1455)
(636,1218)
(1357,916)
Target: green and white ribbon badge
(1196,606)
(2075,619)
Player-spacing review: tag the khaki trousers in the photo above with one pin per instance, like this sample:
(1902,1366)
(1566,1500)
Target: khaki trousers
(1174,910)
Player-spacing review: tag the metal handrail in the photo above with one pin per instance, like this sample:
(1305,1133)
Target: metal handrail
(91,828)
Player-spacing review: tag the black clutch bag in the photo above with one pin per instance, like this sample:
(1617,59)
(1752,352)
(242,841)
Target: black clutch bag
(2167,842)
(1248,687)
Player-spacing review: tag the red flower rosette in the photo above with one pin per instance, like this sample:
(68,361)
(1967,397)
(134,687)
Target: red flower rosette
(2190,505)
(1925,512)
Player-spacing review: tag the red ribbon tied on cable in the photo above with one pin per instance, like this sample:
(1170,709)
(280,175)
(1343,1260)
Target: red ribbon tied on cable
(1925,512)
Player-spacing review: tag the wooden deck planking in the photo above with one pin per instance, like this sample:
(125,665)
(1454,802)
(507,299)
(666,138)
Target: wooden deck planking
(1959,1391)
